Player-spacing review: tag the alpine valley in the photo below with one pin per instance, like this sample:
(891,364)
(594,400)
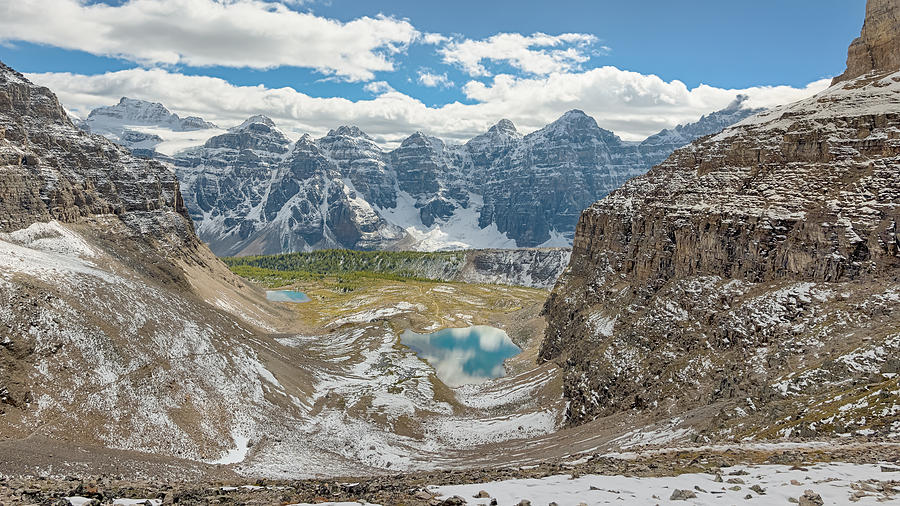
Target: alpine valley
(724,329)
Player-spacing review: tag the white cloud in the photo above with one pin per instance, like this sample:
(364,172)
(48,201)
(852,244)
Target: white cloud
(631,104)
(378,87)
(434,38)
(531,54)
(433,80)
(233,33)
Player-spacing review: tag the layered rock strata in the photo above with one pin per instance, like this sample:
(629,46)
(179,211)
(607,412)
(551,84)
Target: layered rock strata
(755,274)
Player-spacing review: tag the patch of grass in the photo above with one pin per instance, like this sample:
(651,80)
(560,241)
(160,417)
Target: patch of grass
(346,281)
(417,265)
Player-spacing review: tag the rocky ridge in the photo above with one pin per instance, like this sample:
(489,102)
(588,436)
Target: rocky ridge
(500,189)
(107,296)
(253,191)
(755,275)
(54,172)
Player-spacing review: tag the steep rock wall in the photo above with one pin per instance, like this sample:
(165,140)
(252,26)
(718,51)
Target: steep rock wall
(756,271)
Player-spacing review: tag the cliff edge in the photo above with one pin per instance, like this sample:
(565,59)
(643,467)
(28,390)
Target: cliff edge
(878,46)
(754,275)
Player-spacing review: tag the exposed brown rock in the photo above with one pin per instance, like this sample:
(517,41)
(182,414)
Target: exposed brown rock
(747,272)
(878,47)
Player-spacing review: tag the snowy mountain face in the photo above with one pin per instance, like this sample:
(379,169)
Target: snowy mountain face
(143,127)
(251,191)
(709,124)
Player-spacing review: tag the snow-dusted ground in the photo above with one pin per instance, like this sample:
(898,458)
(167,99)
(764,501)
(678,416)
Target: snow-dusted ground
(834,482)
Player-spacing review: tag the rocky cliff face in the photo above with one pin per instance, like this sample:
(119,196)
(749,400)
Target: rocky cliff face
(51,171)
(252,191)
(498,190)
(878,46)
(754,274)
(118,327)
(534,267)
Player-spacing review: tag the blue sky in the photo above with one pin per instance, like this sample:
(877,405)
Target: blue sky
(773,48)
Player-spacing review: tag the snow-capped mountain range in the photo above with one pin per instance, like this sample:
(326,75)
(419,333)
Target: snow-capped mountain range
(251,190)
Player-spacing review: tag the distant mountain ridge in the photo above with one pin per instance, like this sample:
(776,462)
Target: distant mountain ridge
(252,191)
(122,123)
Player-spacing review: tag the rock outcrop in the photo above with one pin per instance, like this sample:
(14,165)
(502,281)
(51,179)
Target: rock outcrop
(118,327)
(51,171)
(756,271)
(531,267)
(878,46)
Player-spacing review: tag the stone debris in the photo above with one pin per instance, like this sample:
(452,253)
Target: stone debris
(682,495)
(810,498)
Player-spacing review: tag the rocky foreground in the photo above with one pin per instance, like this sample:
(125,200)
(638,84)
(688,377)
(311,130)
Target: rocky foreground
(862,472)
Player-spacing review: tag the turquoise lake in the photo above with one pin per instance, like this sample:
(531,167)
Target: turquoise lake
(463,356)
(286,296)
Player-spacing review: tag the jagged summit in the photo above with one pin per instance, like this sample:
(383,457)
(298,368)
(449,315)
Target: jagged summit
(421,138)
(504,126)
(878,46)
(136,110)
(137,124)
(306,142)
(11,75)
(575,122)
(35,103)
(711,123)
(500,188)
(737,104)
(256,132)
(575,117)
(348,131)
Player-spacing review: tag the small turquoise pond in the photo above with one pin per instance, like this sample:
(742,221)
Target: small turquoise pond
(463,356)
(286,296)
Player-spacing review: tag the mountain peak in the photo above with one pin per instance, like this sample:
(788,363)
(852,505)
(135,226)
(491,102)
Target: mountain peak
(255,119)
(504,126)
(572,122)
(137,111)
(112,120)
(348,131)
(878,46)
(736,104)
(711,123)
(11,75)
(138,102)
(577,119)
(574,113)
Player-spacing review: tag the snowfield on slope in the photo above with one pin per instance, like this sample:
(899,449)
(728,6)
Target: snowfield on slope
(835,483)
